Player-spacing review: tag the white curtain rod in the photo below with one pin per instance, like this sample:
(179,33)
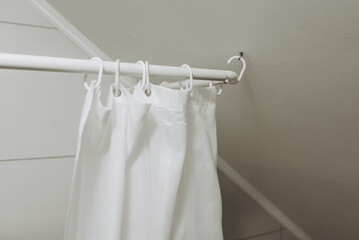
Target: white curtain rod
(41,63)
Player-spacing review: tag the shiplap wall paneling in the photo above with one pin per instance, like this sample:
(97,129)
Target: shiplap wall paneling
(39,118)
(34,197)
(40,110)
(36,41)
(20,12)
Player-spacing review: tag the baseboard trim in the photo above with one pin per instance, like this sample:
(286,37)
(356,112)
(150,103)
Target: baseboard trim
(262,201)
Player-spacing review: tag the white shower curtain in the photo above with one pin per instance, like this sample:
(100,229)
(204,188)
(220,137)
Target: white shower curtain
(146,167)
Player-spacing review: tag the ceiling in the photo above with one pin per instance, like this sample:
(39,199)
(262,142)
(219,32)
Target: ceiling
(291,126)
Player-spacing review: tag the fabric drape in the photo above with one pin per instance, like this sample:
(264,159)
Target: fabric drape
(145,167)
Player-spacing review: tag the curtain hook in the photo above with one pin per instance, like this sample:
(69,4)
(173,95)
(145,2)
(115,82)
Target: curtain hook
(220,90)
(100,73)
(143,73)
(148,89)
(163,83)
(180,85)
(244,65)
(189,82)
(116,89)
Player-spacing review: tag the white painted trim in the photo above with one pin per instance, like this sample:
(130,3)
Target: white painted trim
(65,27)
(262,201)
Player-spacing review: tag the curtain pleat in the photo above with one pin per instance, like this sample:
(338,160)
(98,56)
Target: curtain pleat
(146,167)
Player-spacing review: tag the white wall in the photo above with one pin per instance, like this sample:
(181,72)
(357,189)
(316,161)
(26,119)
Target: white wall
(38,132)
(244,219)
(39,117)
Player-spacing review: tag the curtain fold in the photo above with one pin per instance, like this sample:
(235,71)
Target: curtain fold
(146,167)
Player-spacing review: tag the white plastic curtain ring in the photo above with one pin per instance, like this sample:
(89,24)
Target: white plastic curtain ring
(147,87)
(163,83)
(116,90)
(142,82)
(189,82)
(181,86)
(99,74)
(220,90)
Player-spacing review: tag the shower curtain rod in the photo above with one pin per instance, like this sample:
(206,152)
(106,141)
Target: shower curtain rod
(56,64)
